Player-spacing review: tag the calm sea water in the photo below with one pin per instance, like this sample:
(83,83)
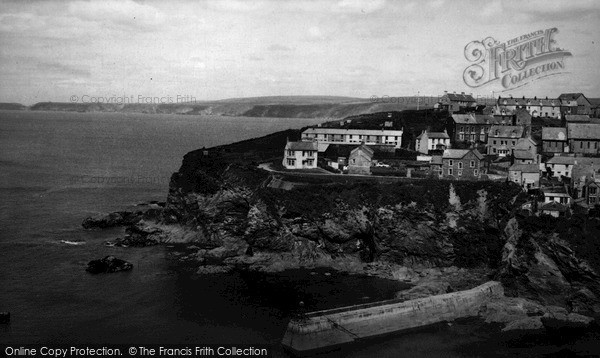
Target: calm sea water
(57,168)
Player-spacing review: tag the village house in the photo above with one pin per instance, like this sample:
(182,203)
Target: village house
(584,170)
(556,196)
(360,160)
(300,155)
(526,175)
(595,107)
(435,166)
(521,156)
(554,140)
(453,102)
(471,127)
(353,136)
(462,164)
(584,137)
(427,141)
(503,139)
(527,144)
(574,103)
(553,209)
(591,192)
(560,166)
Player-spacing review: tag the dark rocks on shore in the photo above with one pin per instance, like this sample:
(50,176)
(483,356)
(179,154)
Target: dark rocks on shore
(108,264)
(118,218)
(123,218)
(4,317)
(139,236)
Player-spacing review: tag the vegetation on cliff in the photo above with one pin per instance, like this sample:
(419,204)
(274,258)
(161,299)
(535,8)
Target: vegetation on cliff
(222,196)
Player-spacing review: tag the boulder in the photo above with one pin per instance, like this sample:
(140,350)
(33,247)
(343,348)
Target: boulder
(108,264)
(510,309)
(525,324)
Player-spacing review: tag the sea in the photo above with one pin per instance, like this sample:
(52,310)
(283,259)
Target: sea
(57,168)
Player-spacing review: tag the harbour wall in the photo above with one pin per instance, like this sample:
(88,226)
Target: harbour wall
(322,329)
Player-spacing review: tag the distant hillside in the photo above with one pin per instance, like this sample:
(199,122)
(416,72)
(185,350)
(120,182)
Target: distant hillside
(12,106)
(282,106)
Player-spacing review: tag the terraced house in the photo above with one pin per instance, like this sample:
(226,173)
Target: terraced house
(353,136)
(462,164)
(471,127)
(502,140)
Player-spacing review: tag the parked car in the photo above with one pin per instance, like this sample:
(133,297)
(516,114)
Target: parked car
(382,165)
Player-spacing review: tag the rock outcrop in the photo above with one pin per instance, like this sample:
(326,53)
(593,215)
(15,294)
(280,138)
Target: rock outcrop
(108,264)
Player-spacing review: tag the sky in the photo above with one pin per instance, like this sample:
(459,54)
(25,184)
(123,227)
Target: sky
(208,50)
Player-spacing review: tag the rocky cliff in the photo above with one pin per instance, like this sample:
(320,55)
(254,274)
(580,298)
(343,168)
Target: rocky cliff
(441,236)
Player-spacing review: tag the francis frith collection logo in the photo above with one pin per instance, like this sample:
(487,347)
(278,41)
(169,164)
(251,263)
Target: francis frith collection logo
(516,62)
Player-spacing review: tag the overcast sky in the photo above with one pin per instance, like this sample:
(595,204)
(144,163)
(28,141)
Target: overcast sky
(223,49)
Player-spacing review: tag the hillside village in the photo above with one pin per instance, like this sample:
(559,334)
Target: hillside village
(549,146)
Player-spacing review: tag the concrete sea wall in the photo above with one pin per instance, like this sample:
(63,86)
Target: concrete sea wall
(322,329)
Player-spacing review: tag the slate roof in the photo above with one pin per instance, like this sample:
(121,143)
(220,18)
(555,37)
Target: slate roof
(441,135)
(460,97)
(471,118)
(460,153)
(365,149)
(523,154)
(436,159)
(301,146)
(506,131)
(525,168)
(553,206)
(570,96)
(559,159)
(577,118)
(583,131)
(552,133)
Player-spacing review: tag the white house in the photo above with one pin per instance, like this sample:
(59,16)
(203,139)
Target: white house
(353,136)
(561,165)
(300,155)
(554,197)
(427,141)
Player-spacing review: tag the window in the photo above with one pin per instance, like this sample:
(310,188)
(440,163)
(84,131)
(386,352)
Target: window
(462,129)
(494,150)
(588,145)
(291,162)
(290,153)
(513,142)
(451,163)
(580,144)
(460,166)
(450,171)
(494,142)
(592,191)
(472,164)
(460,172)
